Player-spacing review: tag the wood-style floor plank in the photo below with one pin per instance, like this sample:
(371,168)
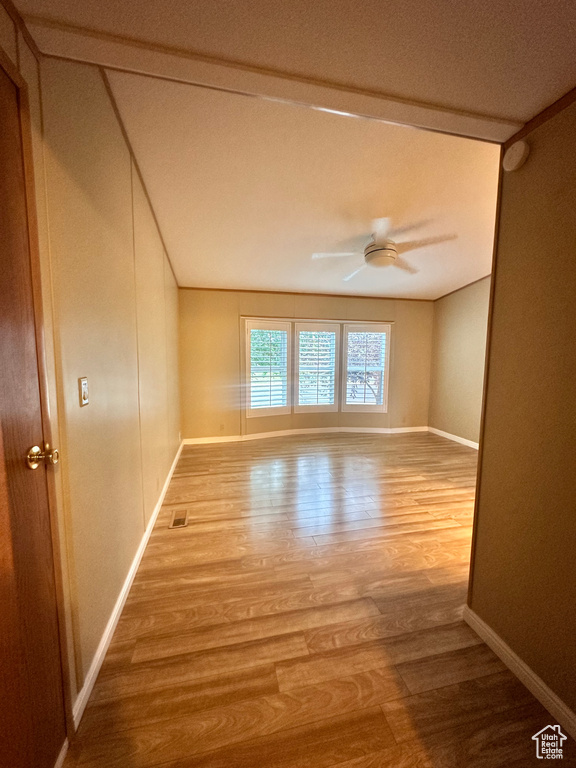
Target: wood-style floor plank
(443,669)
(194,666)
(309,616)
(215,728)
(398,617)
(498,740)
(259,628)
(453,705)
(165,703)
(324,743)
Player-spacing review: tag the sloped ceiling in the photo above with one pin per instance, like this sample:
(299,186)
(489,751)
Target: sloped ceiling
(246,190)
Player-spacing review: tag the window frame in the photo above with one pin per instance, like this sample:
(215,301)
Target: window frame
(290,325)
(348,328)
(318,326)
(267,325)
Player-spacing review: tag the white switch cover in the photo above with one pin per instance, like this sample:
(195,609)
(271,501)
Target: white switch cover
(83,387)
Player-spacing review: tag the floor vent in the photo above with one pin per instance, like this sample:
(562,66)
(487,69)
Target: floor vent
(179,519)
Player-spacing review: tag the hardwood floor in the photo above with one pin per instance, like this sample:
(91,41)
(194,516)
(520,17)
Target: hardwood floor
(310,615)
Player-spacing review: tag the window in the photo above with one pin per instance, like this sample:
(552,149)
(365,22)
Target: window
(330,373)
(316,356)
(366,355)
(268,363)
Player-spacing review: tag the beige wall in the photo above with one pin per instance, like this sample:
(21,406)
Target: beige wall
(211,346)
(523,583)
(458,354)
(153,294)
(114,300)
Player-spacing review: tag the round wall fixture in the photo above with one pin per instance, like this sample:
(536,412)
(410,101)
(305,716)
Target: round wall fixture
(515,156)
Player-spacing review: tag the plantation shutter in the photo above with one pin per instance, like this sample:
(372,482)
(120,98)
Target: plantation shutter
(328,375)
(268,358)
(317,366)
(366,360)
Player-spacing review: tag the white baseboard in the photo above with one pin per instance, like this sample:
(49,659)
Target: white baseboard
(565,716)
(455,438)
(206,440)
(84,694)
(310,431)
(326,430)
(62,756)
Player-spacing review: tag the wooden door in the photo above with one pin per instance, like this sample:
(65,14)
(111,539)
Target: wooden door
(32,715)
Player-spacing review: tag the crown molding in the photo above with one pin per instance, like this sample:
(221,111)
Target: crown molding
(125,55)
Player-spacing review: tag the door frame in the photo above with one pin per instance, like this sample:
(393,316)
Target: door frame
(34,249)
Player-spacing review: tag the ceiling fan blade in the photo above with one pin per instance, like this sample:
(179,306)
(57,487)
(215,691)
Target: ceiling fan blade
(381,230)
(412,245)
(353,274)
(402,264)
(355,243)
(395,231)
(333,255)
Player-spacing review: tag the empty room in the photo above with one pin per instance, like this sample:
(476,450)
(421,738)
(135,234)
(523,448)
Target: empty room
(286,384)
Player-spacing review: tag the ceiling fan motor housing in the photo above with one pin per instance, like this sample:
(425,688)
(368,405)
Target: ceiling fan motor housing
(380,254)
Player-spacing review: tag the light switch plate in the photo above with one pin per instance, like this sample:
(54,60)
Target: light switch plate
(83,391)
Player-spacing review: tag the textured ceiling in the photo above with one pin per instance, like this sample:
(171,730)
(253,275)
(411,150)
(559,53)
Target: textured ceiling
(246,190)
(502,59)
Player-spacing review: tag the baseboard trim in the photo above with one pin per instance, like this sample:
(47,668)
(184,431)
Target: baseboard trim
(84,694)
(326,430)
(62,756)
(455,438)
(310,431)
(565,716)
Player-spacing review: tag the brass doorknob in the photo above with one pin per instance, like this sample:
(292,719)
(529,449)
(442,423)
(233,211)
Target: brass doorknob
(36,455)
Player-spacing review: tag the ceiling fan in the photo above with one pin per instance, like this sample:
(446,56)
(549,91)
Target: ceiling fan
(381,250)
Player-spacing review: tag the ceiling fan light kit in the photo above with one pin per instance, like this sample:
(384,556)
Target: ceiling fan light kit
(380,254)
(381,251)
